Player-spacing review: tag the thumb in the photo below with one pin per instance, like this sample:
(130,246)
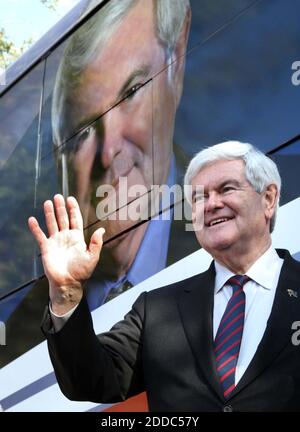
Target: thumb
(96,242)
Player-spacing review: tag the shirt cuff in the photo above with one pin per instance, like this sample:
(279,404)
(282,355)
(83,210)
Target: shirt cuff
(60,320)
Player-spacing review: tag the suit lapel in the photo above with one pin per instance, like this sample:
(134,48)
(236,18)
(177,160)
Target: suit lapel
(278,332)
(196,309)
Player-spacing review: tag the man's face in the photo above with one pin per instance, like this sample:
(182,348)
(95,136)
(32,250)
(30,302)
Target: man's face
(135,135)
(235,216)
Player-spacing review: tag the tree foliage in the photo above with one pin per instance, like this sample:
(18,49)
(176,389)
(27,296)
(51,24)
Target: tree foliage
(51,4)
(8,50)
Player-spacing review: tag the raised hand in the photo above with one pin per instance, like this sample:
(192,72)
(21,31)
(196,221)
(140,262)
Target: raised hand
(67,260)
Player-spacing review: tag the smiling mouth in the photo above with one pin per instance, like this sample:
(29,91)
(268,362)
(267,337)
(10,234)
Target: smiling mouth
(219,221)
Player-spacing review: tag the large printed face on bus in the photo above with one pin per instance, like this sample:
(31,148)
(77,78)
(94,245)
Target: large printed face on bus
(120,143)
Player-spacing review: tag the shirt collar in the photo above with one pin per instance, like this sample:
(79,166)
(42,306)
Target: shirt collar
(262,271)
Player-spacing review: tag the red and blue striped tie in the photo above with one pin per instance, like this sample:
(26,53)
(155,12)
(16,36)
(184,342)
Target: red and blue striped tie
(229,335)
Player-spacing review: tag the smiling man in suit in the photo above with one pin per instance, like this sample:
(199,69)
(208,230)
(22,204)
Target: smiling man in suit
(220,340)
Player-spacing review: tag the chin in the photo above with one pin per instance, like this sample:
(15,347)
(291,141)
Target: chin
(219,245)
(114,261)
(117,241)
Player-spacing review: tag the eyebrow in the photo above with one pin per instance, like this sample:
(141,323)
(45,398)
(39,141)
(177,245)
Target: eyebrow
(220,186)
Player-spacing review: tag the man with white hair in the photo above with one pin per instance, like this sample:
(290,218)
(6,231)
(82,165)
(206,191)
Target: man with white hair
(115,98)
(220,340)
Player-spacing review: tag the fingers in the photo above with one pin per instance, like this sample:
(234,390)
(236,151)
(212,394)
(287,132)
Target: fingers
(75,216)
(57,217)
(62,216)
(96,242)
(50,218)
(37,232)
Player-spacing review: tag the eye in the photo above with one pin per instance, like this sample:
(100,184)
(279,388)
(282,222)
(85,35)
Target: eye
(85,133)
(228,189)
(199,198)
(129,94)
(82,137)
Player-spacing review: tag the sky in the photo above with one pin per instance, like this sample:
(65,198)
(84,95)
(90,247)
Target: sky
(23,19)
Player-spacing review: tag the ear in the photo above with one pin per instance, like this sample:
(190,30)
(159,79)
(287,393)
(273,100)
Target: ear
(271,199)
(178,57)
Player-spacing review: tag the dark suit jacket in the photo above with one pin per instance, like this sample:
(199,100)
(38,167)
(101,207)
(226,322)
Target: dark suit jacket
(165,346)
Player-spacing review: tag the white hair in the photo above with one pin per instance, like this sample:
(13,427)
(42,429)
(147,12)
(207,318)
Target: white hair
(260,170)
(86,43)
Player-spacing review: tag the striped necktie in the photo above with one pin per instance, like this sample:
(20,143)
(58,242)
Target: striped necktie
(229,335)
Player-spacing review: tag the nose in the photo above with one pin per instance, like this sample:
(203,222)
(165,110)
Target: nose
(213,202)
(109,132)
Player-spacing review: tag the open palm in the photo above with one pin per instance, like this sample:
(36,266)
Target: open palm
(66,258)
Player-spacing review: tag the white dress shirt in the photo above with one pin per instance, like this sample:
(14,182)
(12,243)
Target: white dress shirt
(60,320)
(260,293)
